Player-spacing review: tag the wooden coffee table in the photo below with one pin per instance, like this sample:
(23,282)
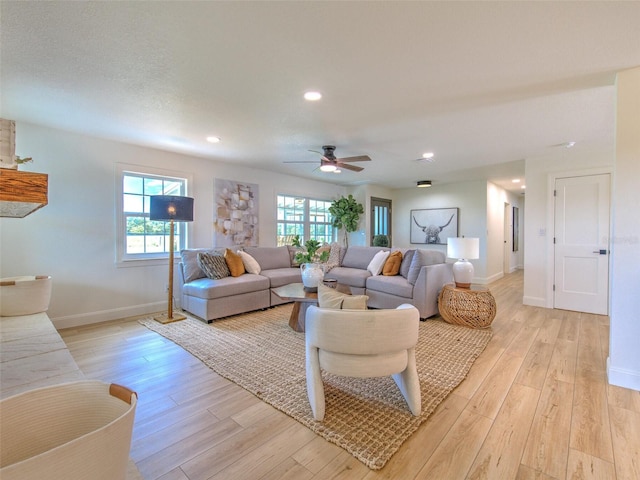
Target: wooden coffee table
(302,301)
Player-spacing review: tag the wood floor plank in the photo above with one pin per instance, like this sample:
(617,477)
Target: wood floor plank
(488,399)
(222,454)
(562,366)
(536,364)
(590,430)
(455,454)
(316,455)
(548,443)
(582,466)
(625,429)
(263,459)
(501,451)
(420,446)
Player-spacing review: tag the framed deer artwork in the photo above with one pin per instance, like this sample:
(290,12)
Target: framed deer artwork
(433,225)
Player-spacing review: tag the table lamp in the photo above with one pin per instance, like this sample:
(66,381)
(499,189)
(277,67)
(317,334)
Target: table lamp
(463,249)
(170,208)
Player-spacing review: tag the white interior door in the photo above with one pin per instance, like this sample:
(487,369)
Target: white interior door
(581,243)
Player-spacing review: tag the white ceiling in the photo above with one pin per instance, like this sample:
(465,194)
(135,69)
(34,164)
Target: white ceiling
(483,85)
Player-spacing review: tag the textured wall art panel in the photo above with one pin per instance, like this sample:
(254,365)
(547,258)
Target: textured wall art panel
(235,213)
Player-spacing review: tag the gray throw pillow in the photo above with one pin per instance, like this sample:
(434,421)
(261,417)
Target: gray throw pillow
(406,263)
(421,258)
(214,266)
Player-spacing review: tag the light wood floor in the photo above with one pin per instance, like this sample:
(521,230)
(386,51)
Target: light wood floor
(535,405)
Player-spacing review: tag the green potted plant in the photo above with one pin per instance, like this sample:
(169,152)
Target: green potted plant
(311,263)
(380,241)
(346,213)
(310,252)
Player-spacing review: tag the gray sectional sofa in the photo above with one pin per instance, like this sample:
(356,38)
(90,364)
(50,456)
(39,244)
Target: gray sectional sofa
(422,274)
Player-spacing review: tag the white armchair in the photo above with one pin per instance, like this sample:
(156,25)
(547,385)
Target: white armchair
(362,343)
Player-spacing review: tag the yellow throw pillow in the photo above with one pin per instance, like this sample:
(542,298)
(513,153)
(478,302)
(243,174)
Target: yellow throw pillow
(392,265)
(234,261)
(331,298)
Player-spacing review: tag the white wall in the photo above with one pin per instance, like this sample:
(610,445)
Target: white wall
(624,354)
(469,197)
(363,194)
(73,238)
(496,240)
(541,173)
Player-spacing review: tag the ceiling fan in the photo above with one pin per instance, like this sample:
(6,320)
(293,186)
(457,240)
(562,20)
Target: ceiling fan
(330,163)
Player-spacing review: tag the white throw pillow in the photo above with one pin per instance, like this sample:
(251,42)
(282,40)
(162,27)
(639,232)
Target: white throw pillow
(377,262)
(250,263)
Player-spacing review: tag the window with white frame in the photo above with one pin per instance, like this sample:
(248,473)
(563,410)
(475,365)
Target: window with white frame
(307,217)
(140,238)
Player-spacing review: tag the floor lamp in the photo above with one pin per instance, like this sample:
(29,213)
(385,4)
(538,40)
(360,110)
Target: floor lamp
(171,209)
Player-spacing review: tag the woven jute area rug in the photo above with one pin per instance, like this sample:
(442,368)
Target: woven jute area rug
(367,417)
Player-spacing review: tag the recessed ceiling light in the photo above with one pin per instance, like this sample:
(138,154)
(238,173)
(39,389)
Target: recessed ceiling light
(328,168)
(213,139)
(427,155)
(516,180)
(423,183)
(312,96)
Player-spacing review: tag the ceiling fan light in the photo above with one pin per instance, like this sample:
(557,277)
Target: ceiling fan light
(424,183)
(328,168)
(312,96)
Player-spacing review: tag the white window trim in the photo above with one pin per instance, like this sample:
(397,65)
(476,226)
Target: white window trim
(122,260)
(306,223)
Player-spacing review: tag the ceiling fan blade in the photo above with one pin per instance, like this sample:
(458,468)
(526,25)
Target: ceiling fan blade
(346,166)
(359,158)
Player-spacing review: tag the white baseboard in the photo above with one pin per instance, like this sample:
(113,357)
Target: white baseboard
(535,301)
(79,319)
(623,377)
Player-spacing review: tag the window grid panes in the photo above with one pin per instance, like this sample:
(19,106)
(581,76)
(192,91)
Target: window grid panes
(142,235)
(308,218)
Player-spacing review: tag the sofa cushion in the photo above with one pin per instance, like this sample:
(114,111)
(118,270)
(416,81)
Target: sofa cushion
(282,276)
(393,285)
(214,266)
(354,277)
(250,263)
(270,257)
(360,257)
(331,298)
(392,265)
(422,258)
(226,287)
(234,261)
(377,262)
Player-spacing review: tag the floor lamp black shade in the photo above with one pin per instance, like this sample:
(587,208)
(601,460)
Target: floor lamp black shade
(170,208)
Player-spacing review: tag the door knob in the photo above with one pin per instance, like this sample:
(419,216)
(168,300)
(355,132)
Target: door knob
(601,252)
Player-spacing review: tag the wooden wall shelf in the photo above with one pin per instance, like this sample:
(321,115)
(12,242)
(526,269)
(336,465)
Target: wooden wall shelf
(22,193)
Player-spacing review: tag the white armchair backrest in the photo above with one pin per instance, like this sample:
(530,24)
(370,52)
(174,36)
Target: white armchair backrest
(362,332)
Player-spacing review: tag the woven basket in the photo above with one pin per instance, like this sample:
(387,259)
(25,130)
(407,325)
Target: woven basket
(71,431)
(471,308)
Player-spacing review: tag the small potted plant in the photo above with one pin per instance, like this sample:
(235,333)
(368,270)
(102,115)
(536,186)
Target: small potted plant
(380,241)
(310,262)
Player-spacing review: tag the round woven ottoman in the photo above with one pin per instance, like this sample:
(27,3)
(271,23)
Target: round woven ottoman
(472,307)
